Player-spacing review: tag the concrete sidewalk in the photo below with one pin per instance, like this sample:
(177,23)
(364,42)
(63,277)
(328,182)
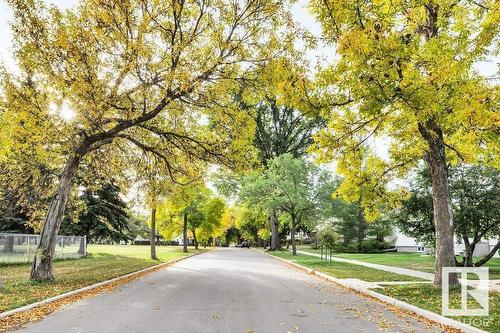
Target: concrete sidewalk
(392,269)
(494,285)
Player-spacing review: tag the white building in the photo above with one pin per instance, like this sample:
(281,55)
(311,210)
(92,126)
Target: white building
(408,244)
(404,243)
(482,248)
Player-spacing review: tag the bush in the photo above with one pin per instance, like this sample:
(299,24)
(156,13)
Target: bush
(308,241)
(372,245)
(327,237)
(350,248)
(366,246)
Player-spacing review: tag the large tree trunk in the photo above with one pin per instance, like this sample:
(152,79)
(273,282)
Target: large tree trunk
(195,239)
(184,234)
(292,235)
(9,244)
(441,199)
(275,236)
(83,246)
(274,231)
(42,262)
(153,234)
(361,226)
(469,251)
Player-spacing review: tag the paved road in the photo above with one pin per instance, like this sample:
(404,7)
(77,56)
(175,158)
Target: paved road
(227,290)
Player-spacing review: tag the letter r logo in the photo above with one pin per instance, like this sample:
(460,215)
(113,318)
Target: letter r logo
(479,291)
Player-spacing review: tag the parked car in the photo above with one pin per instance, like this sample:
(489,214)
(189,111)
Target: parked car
(244,244)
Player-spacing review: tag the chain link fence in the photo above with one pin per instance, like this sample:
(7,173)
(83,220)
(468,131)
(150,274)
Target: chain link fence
(22,247)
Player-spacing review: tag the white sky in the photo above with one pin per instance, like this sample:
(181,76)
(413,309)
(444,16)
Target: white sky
(300,13)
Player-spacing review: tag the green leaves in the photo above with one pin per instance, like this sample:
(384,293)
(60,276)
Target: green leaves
(204,211)
(404,64)
(291,186)
(157,88)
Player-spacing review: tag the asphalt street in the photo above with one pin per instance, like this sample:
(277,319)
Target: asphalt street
(228,290)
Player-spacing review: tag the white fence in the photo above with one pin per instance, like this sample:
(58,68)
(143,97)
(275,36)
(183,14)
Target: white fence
(22,247)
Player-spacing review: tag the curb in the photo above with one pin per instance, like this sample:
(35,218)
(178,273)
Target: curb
(96,285)
(428,315)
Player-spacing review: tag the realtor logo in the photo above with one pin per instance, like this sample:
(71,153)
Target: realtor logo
(477,289)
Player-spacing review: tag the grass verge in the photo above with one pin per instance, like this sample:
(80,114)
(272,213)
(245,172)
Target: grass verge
(343,270)
(416,261)
(104,262)
(429,298)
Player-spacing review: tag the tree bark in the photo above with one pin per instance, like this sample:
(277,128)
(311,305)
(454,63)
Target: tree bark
(83,247)
(469,251)
(361,226)
(195,239)
(275,236)
(441,199)
(292,239)
(184,234)
(274,232)
(153,234)
(9,244)
(42,262)
(292,235)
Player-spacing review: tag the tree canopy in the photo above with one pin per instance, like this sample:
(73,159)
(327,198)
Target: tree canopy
(405,71)
(153,97)
(191,208)
(291,186)
(107,78)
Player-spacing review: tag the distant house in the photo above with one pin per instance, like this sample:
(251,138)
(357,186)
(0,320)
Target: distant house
(139,240)
(482,248)
(404,243)
(408,244)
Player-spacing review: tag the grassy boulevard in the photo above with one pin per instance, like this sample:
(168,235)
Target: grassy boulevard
(416,261)
(424,296)
(104,262)
(343,270)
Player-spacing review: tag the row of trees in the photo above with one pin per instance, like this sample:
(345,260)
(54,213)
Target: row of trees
(474,193)
(98,212)
(158,91)
(195,210)
(138,75)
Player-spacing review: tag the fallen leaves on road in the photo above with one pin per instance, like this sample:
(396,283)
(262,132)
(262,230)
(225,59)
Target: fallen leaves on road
(384,324)
(401,313)
(20,319)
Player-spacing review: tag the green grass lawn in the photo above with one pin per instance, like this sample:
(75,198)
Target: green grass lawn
(428,297)
(416,261)
(103,262)
(343,270)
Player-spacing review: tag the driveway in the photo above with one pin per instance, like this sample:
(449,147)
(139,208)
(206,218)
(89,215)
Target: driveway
(228,290)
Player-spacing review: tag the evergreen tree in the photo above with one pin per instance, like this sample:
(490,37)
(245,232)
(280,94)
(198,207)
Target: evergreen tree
(104,216)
